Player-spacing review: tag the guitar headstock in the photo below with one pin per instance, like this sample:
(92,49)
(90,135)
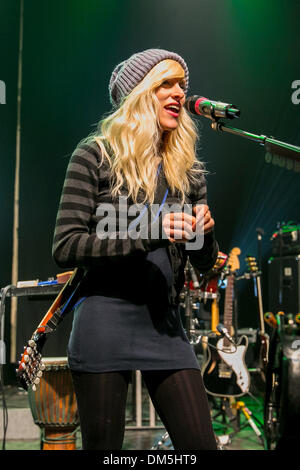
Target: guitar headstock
(252,263)
(31,367)
(220,261)
(233,262)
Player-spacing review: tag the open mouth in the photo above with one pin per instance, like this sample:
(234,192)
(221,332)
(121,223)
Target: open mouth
(173,110)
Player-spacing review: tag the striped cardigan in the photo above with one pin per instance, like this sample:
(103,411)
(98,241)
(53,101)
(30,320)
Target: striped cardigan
(76,241)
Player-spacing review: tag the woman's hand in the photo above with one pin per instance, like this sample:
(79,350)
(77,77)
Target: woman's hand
(178,226)
(181,227)
(204,221)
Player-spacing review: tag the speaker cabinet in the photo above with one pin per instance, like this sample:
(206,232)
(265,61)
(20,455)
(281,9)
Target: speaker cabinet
(284,272)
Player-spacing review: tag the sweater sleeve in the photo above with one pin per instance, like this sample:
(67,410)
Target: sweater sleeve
(204,258)
(75,243)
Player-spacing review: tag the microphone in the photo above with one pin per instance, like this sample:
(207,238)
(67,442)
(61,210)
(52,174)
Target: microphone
(224,332)
(194,277)
(211,109)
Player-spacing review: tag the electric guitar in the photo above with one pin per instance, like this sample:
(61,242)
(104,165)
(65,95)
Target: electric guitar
(262,337)
(31,367)
(219,267)
(225,372)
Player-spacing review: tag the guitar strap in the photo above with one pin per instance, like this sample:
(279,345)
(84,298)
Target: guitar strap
(70,294)
(157,197)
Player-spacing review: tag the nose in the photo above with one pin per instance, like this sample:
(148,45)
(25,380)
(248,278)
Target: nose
(177,92)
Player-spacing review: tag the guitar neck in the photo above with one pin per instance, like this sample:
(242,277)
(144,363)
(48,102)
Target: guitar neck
(228,305)
(214,316)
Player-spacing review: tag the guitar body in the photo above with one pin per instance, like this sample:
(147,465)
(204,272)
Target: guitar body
(225,372)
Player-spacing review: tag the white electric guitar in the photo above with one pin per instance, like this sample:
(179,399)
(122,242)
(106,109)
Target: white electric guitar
(225,372)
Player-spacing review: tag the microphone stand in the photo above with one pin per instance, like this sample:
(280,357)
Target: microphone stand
(260,232)
(272,146)
(188,309)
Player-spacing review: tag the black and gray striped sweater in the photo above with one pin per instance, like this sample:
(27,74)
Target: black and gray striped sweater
(85,189)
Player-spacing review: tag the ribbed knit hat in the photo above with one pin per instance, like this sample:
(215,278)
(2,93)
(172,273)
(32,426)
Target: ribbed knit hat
(129,73)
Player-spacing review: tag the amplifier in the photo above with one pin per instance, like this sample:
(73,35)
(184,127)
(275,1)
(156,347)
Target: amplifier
(289,268)
(288,242)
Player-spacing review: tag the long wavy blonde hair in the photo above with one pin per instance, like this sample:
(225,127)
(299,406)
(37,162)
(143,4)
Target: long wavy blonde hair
(134,135)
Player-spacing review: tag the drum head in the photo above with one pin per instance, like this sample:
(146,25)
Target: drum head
(55,362)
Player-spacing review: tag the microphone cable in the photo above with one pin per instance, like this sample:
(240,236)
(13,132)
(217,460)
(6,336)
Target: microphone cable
(210,333)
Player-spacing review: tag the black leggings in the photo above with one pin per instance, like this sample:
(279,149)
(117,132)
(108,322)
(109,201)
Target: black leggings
(178,396)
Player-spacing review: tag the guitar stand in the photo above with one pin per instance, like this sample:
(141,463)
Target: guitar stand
(225,410)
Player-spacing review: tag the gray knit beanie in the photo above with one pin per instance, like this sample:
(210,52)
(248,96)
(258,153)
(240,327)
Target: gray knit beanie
(129,73)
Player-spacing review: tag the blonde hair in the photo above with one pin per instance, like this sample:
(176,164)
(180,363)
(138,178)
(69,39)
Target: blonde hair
(134,134)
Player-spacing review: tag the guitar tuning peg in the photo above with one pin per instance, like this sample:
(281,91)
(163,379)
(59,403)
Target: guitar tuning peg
(39,374)
(26,358)
(29,350)
(33,388)
(36,381)
(42,366)
(31,343)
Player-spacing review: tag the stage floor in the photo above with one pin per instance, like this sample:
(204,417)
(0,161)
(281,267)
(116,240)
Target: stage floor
(24,434)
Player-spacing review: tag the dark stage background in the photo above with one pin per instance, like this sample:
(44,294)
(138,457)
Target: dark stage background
(241,52)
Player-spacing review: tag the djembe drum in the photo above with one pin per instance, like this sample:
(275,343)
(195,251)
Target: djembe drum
(53,406)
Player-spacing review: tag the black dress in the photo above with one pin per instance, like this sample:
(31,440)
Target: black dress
(125,321)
